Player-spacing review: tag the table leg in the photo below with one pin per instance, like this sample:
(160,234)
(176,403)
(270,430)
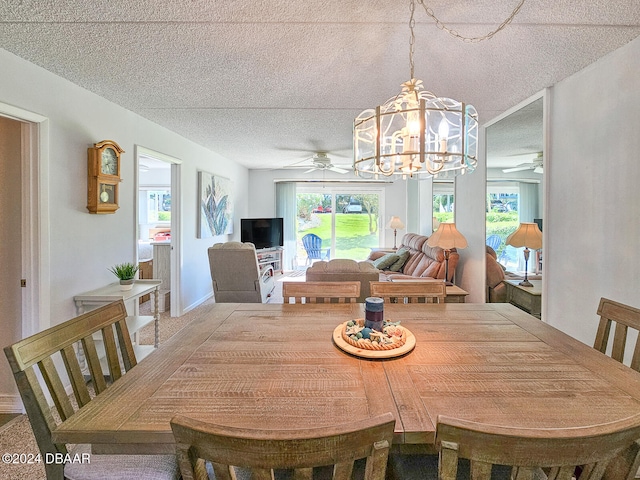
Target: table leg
(156,315)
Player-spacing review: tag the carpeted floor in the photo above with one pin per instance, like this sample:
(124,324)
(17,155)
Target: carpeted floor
(16,436)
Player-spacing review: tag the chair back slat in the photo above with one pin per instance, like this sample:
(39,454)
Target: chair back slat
(68,340)
(111,351)
(320,292)
(410,292)
(528,452)
(56,388)
(624,317)
(126,347)
(262,451)
(93,362)
(76,377)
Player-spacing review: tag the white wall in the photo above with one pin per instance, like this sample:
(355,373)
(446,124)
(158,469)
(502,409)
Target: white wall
(594,183)
(83,246)
(470,195)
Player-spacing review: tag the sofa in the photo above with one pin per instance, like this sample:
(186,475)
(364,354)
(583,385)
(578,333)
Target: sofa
(422,261)
(344,270)
(496,273)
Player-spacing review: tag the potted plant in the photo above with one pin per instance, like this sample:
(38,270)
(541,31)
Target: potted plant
(126,272)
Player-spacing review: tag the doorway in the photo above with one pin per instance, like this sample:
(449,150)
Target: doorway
(347,220)
(24,231)
(158,223)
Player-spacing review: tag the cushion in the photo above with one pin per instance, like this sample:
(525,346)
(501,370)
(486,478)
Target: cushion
(495,273)
(120,467)
(403,255)
(383,263)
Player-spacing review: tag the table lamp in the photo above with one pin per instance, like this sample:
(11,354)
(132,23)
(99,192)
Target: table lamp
(528,235)
(447,237)
(396,224)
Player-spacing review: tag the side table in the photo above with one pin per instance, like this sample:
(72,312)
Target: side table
(528,299)
(135,322)
(455,294)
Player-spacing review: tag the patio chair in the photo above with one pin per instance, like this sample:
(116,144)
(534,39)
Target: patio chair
(337,448)
(313,245)
(494,241)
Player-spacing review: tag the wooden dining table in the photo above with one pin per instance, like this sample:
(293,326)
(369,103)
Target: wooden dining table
(272,366)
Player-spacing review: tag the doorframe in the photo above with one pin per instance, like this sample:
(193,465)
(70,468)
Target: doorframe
(176,308)
(36,261)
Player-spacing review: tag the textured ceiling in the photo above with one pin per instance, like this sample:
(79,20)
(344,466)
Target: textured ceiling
(267,83)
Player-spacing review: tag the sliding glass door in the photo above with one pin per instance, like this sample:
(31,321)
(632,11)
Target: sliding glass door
(347,222)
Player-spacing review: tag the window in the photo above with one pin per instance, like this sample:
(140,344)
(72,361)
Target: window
(158,206)
(347,220)
(443,202)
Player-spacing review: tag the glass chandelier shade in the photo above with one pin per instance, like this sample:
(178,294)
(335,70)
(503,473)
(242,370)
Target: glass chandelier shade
(416,134)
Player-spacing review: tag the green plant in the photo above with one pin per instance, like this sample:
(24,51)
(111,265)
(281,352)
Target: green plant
(124,271)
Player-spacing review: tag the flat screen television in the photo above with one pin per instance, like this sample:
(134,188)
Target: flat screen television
(539,222)
(262,232)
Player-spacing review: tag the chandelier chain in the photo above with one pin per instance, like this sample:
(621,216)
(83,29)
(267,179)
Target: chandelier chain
(412,40)
(454,33)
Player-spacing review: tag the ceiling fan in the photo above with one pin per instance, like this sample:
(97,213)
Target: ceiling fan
(536,165)
(320,161)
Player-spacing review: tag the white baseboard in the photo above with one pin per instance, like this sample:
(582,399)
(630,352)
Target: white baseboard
(11,404)
(197,303)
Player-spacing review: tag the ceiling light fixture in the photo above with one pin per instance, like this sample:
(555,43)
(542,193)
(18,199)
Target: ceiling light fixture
(416,133)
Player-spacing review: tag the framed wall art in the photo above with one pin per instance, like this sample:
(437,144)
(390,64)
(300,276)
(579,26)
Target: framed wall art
(215,205)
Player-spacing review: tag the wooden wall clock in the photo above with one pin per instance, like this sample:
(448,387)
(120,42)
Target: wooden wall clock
(103,176)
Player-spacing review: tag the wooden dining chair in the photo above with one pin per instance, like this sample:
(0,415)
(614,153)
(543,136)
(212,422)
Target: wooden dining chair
(300,450)
(625,317)
(410,292)
(320,292)
(92,351)
(600,451)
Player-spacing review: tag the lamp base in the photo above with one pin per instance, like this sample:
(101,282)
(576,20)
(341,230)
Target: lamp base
(525,283)
(448,284)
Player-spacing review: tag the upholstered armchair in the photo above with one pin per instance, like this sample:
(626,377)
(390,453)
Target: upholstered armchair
(236,275)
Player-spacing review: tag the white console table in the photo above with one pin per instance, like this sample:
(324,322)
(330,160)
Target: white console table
(135,322)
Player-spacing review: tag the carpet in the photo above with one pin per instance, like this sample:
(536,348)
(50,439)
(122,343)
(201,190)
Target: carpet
(16,436)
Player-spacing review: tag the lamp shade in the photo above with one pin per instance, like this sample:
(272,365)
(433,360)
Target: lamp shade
(527,235)
(447,236)
(395,223)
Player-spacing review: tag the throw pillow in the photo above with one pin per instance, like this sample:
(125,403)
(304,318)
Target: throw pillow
(384,262)
(403,256)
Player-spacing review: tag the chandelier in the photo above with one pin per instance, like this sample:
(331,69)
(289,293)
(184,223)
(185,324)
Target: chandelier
(416,133)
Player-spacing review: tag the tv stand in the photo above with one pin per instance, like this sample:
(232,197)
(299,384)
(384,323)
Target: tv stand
(270,257)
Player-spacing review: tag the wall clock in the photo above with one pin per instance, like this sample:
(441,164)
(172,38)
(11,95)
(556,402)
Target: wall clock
(103,176)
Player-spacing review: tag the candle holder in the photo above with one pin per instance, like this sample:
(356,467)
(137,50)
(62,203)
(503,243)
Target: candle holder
(374,313)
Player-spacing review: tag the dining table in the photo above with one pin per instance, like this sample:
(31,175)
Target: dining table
(277,366)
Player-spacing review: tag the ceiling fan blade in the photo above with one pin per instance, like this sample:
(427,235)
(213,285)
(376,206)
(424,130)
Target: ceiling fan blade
(538,169)
(337,169)
(311,170)
(295,164)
